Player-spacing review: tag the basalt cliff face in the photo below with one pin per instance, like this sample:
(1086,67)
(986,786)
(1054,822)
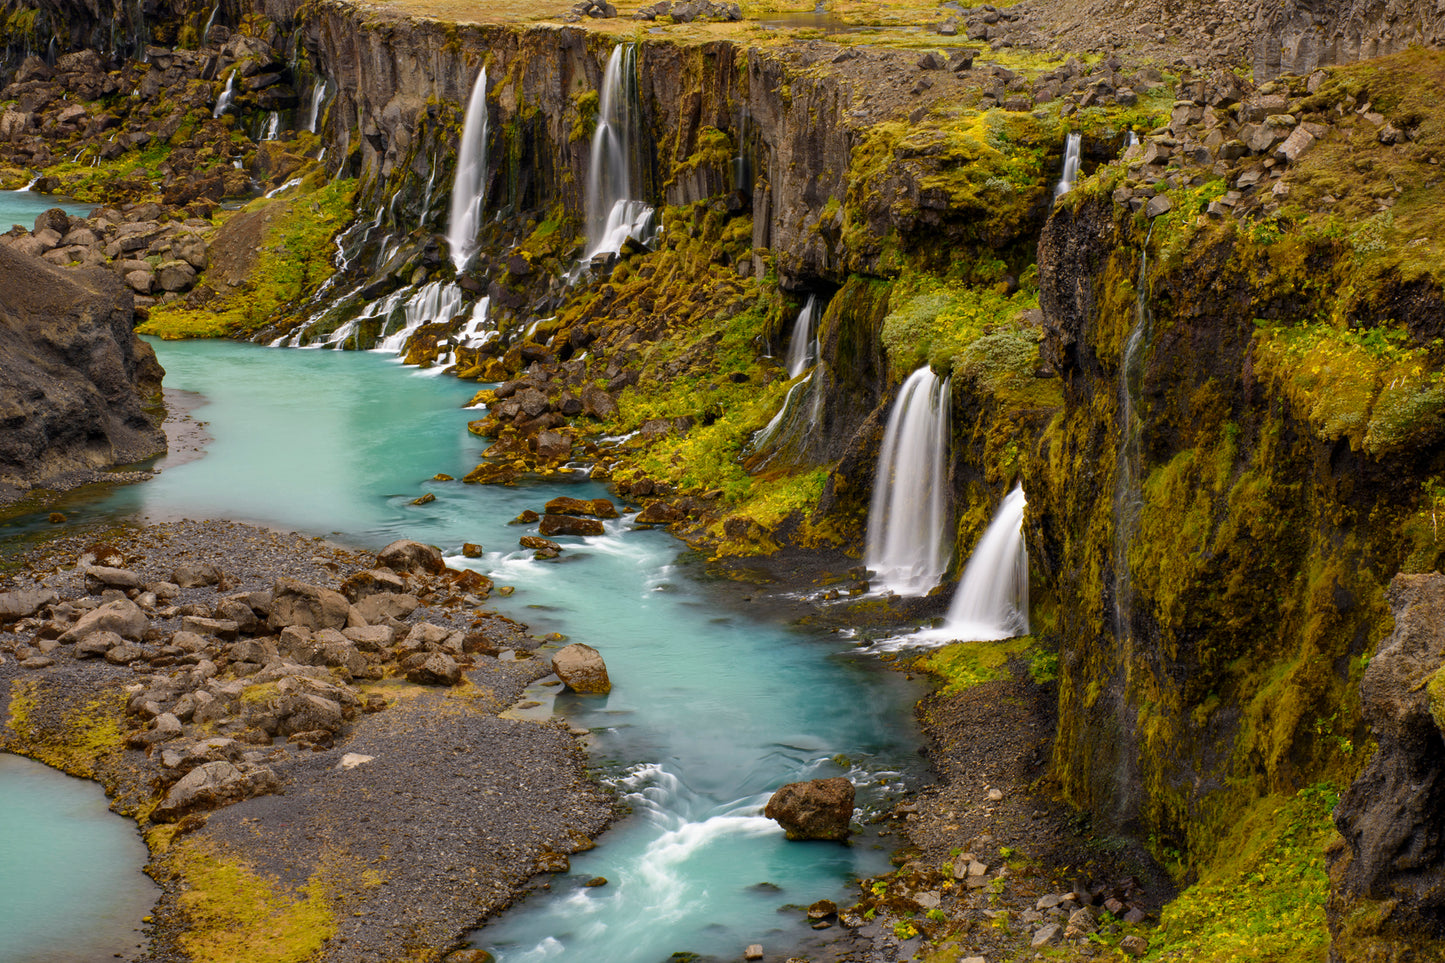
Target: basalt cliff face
(74,378)
(1214,364)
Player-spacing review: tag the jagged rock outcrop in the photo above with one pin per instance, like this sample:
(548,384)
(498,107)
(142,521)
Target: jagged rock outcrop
(1296,36)
(74,379)
(1388,874)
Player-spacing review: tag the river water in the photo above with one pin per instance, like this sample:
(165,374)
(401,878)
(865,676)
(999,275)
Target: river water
(717,700)
(23,207)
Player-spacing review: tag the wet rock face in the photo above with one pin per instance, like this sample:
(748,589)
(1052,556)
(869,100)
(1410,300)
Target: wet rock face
(1296,36)
(817,809)
(581,669)
(73,376)
(1388,877)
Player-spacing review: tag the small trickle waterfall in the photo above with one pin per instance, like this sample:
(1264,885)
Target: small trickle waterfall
(613,214)
(469,189)
(790,440)
(1132,140)
(272,128)
(210,22)
(992,600)
(223,104)
(1071,166)
(907,547)
(802,349)
(1128,498)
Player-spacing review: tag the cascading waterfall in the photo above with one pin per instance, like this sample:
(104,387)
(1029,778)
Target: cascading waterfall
(1071,166)
(803,350)
(272,128)
(470,187)
(613,214)
(227,95)
(907,522)
(1132,140)
(992,600)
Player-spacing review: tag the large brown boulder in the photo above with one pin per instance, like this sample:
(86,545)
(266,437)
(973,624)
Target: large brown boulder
(569,525)
(405,555)
(308,606)
(73,376)
(817,809)
(212,786)
(581,669)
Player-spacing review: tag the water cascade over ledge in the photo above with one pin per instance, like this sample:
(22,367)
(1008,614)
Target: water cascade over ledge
(470,186)
(908,520)
(992,601)
(613,214)
(802,349)
(1071,166)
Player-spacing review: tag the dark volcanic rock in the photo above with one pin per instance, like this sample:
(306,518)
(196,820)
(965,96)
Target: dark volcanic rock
(72,376)
(817,809)
(1393,855)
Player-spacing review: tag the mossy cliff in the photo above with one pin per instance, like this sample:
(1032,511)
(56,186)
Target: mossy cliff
(1215,365)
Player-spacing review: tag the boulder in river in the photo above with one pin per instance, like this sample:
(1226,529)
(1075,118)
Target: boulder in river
(581,669)
(569,525)
(817,809)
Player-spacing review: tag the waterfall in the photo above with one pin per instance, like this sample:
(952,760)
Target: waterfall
(437,301)
(992,600)
(469,189)
(802,349)
(210,22)
(1128,498)
(227,95)
(272,128)
(742,167)
(313,113)
(1071,166)
(1132,140)
(478,329)
(790,440)
(907,521)
(613,214)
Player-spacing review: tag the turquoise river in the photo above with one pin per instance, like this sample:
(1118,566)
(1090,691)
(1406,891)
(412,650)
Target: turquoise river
(718,697)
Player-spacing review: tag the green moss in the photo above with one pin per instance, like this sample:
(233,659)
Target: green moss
(295,258)
(235,913)
(1262,898)
(73,739)
(964,665)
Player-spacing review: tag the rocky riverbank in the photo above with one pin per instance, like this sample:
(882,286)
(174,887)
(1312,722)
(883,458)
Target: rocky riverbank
(338,763)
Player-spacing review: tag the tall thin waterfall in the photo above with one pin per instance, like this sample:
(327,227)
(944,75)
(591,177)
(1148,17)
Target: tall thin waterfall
(908,521)
(613,214)
(992,600)
(470,187)
(1071,166)
(802,349)
(223,104)
(1128,471)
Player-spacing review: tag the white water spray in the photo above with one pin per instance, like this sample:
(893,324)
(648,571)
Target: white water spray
(227,95)
(992,601)
(802,349)
(313,113)
(907,521)
(1071,166)
(470,186)
(613,214)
